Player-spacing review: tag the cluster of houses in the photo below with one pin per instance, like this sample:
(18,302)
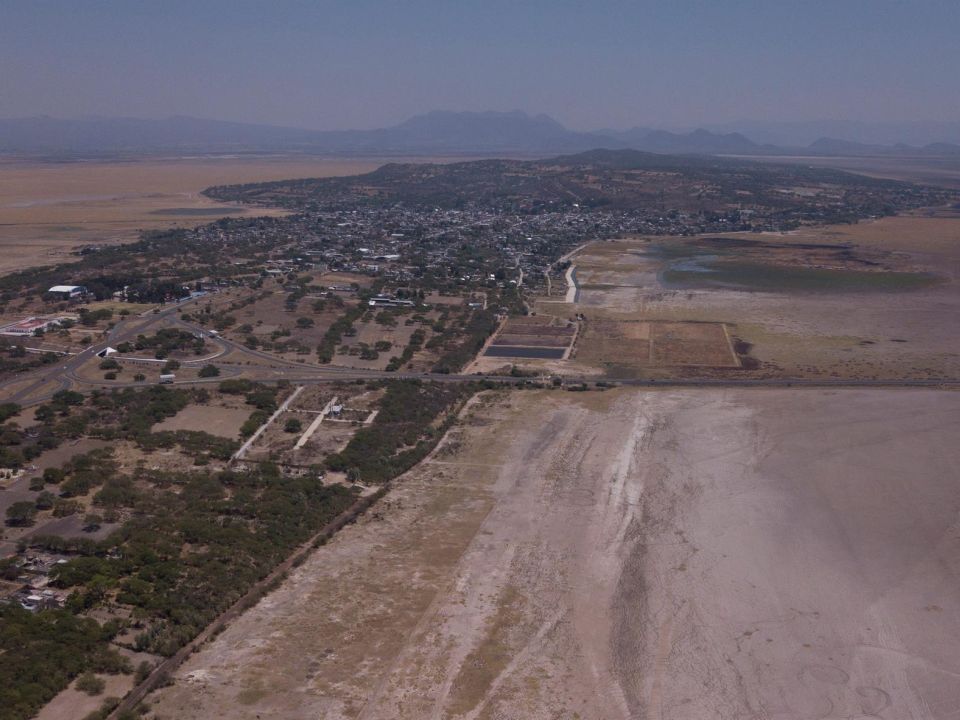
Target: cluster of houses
(32,589)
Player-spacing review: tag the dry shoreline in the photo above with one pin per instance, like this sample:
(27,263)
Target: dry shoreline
(674,553)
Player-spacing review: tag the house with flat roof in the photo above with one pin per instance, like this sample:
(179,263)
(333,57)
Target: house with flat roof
(68,292)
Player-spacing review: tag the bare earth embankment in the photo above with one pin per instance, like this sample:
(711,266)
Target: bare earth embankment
(632,554)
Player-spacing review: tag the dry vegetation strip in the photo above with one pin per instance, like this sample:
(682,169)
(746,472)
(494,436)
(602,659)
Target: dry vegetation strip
(162,672)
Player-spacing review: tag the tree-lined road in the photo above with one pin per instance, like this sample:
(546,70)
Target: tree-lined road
(40,385)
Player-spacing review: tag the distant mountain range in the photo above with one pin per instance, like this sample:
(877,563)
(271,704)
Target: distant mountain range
(434,133)
(800,133)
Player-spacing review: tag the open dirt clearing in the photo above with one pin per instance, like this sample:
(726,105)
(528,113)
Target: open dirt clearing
(632,554)
(223,419)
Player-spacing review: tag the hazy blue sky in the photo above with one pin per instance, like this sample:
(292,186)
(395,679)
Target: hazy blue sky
(369,63)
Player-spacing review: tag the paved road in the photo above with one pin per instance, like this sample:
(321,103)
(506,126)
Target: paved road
(63,373)
(39,385)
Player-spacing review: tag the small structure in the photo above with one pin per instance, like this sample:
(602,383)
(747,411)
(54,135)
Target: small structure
(29,326)
(68,292)
(387,301)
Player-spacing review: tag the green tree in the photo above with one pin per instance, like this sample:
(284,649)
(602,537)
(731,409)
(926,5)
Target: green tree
(208,371)
(21,514)
(67,397)
(8,410)
(90,684)
(52,476)
(45,500)
(143,671)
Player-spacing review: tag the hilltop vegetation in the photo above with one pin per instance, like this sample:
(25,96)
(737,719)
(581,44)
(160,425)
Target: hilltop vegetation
(603,179)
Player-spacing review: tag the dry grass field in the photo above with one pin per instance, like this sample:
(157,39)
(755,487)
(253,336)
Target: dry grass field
(49,209)
(532,337)
(938,171)
(222,416)
(628,346)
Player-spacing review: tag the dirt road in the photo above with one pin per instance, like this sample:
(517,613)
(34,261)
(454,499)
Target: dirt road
(754,553)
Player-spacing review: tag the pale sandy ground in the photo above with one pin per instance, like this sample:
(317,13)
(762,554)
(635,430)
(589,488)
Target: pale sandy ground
(940,171)
(72,704)
(633,554)
(216,420)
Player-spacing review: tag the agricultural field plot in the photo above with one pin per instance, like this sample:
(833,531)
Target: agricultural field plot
(872,300)
(130,458)
(618,346)
(684,344)
(936,171)
(534,337)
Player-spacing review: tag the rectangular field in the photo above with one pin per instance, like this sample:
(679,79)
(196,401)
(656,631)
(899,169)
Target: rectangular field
(690,344)
(533,353)
(525,340)
(219,419)
(533,337)
(640,344)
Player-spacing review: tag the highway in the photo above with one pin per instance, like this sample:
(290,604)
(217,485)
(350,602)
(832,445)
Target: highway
(39,385)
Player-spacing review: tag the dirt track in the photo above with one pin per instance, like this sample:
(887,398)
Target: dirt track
(672,554)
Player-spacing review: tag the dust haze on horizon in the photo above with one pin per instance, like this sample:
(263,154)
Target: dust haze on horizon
(357,65)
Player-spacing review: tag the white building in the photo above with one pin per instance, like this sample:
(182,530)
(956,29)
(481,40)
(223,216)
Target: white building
(68,291)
